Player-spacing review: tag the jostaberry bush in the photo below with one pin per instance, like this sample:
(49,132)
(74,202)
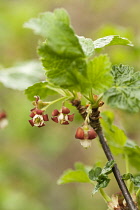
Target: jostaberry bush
(87,80)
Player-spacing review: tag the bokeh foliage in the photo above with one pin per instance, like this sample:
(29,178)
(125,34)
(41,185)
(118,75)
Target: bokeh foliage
(32,159)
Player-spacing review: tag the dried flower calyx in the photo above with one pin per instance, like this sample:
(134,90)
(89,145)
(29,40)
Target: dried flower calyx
(118,202)
(38,117)
(85,134)
(62,116)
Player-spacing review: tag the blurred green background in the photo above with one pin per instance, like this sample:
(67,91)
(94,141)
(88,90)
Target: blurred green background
(32,159)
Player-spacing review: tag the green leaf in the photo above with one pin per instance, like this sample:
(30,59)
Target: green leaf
(100,185)
(96,189)
(111,40)
(133,152)
(56,29)
(104,183)
(114,135)
(135,180)
(101,175)
(108,167)
(22,75)
(98,72)
(62,16)
(108,117)
(73,176)
(39,89)
(61,71)
(127,176)
(81,166)
(38,24)
(125,92)
(87,45)
(94,173)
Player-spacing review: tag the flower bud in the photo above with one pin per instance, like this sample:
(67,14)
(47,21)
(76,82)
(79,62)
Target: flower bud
(85,134)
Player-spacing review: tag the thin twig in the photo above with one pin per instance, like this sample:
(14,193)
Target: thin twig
(95,124)
(116,172)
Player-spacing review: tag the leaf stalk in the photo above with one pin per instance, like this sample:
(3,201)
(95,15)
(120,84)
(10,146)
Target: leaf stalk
(105,196)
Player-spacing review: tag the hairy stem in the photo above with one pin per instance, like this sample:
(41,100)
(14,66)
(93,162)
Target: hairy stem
(95,124)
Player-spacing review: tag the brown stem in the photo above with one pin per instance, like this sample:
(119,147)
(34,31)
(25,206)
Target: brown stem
(95,124)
